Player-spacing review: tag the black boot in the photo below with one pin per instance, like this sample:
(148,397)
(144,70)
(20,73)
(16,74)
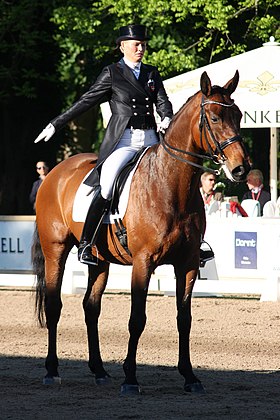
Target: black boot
(93,222)
(205,254)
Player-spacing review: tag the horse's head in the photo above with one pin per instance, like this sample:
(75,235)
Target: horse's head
(219,128)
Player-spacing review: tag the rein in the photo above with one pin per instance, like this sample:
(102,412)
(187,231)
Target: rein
(168,146)
(204,127)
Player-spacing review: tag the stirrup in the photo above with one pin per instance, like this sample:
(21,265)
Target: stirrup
(206,254)
(93,260)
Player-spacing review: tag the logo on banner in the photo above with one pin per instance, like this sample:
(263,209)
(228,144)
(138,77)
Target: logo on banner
(246,250)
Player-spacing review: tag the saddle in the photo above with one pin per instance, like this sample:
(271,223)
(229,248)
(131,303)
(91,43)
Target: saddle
(118,187)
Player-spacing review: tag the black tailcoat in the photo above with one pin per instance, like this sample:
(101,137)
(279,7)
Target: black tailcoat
(127,97)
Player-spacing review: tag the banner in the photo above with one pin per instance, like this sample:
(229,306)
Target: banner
(16,234)
(246,250)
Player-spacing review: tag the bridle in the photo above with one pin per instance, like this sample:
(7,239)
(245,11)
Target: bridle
(217,156)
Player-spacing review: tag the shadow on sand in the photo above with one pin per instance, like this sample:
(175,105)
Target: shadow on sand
(229,394)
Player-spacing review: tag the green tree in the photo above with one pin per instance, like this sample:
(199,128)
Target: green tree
(29,95)
(184,35)
(52,51)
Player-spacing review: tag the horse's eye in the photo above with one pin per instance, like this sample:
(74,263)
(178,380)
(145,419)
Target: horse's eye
(214,119)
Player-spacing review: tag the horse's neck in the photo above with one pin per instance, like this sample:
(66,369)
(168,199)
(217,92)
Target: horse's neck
(181,178)
(180,173)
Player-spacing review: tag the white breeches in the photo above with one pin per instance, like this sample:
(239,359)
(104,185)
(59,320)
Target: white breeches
(131,141)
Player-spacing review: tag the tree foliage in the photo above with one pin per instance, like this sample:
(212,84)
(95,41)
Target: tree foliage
(184,34)
(52,51)
(29,94)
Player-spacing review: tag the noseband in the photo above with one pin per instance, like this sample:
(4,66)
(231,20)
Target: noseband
(217,156)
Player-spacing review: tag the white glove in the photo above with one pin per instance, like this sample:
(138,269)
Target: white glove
(46,134)
(163,125)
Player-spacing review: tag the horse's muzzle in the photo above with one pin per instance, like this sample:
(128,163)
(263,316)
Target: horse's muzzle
(239,173)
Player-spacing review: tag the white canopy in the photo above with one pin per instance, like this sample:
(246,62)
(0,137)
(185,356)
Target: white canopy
(257,94)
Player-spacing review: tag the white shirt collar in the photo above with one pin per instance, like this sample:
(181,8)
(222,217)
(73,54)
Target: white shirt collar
(131,64)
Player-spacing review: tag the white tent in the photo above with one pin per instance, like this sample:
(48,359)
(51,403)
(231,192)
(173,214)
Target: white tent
(257,94)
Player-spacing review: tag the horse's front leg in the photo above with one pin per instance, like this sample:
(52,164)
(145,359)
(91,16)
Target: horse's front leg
(97,281)
(184,287)
(137,321)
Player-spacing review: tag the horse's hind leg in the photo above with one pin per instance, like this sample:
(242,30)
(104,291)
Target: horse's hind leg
(54,269)
(97,281)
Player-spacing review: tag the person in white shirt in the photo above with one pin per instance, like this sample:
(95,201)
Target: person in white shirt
(256,189)
(207,180)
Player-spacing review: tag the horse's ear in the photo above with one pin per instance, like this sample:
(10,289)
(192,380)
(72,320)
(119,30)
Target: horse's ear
(231,85)
(205,84)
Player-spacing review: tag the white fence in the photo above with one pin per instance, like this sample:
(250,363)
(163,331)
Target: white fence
(246,260)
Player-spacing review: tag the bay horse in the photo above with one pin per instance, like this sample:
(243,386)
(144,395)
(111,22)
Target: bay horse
(165,222)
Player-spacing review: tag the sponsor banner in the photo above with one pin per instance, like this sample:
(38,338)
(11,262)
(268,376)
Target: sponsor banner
(15,244)
(246,250)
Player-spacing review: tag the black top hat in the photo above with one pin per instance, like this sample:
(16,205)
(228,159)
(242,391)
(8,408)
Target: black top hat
(138,32)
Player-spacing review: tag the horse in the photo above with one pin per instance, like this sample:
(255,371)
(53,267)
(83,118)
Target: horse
(165,222)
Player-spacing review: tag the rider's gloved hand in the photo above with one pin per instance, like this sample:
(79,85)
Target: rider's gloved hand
(46,134)
(164,125)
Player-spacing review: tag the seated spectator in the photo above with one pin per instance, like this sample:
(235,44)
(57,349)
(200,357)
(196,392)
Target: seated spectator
(256,190)
(207,180)
(211,192)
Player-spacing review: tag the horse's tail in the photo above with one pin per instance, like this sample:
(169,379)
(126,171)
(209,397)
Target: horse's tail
(38,263)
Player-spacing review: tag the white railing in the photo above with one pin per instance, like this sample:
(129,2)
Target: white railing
(246,260)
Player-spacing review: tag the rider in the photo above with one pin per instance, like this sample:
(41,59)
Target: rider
(133,89)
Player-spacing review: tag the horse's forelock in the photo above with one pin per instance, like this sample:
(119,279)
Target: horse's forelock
(218,90)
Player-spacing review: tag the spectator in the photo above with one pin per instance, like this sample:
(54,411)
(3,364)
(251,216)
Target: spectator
(256,191)
(42,169)
(207,180)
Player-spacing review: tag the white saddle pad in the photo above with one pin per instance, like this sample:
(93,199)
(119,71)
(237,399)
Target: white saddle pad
(82,199)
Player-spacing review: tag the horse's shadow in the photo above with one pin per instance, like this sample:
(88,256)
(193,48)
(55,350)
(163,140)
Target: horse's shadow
(234,394)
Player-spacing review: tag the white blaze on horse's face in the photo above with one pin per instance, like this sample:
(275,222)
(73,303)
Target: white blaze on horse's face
(227,172)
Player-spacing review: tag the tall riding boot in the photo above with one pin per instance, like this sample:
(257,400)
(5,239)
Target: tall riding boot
(93,222)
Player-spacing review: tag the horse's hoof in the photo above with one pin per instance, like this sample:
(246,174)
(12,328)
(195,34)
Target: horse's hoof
(127,389)
(196,388)
(52,380)
(105,380)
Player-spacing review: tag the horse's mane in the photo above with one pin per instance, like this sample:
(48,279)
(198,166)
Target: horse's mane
(178,113)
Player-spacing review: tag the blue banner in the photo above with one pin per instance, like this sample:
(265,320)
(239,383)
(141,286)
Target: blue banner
(246,250)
